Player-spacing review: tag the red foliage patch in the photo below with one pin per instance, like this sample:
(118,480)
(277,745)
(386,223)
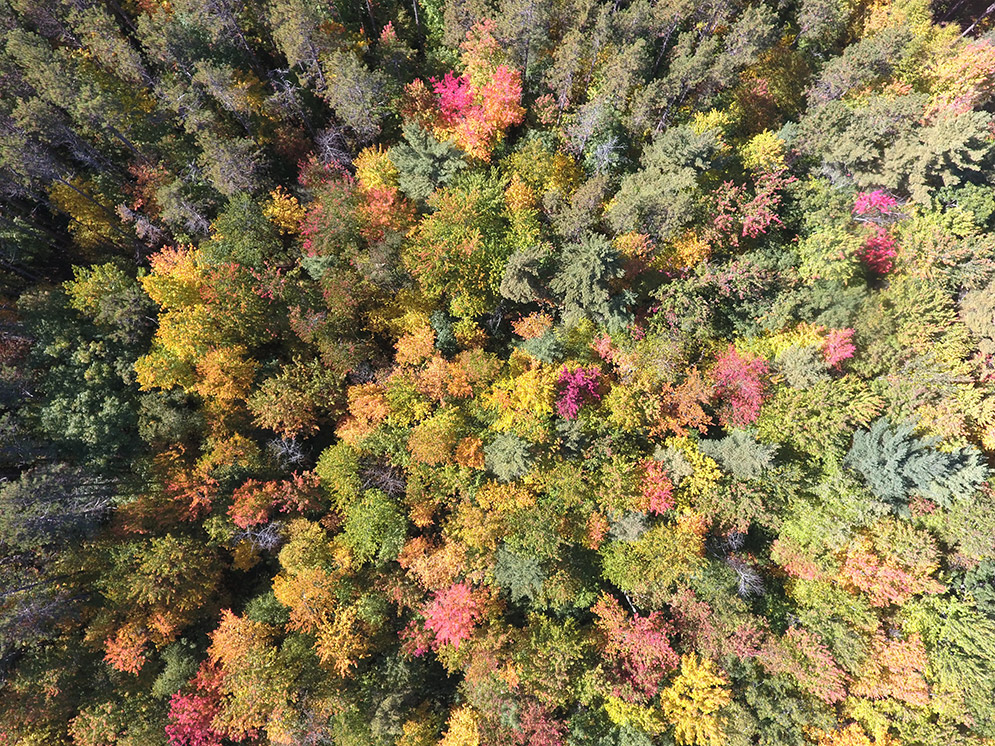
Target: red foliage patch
(739,386)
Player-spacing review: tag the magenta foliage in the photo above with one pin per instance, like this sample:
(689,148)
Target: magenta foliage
(739,384)
(878,251)
(639,646)
(737,215)
(455,96)
(876,202)
(838,346)
(415,639)
(802,654)
(452,614)
(190,718)
(760,213)
(579,385)
(310,226)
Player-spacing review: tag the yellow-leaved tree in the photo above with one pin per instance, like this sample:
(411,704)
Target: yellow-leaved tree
(692,702)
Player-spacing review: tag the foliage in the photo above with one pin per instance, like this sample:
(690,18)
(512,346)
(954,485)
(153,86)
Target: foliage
(693,700)
(424,163)
(509,372)
(639,647)
(577,385)
(452,614)
(191,715)
(740,387)
(895,464)
(458,251)
(583,283)
(374,527)
(508,457)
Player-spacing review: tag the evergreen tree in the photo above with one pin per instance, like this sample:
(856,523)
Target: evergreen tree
(424,163)
(583,283)
(895,464)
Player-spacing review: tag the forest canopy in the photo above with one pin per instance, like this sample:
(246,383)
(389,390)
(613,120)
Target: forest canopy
(497,372)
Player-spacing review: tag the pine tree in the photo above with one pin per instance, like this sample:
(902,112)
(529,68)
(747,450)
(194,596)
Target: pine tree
(740,454)
(583,283)
(521,576)
(508,457)
(664,194)
(895,464)
(424,163)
